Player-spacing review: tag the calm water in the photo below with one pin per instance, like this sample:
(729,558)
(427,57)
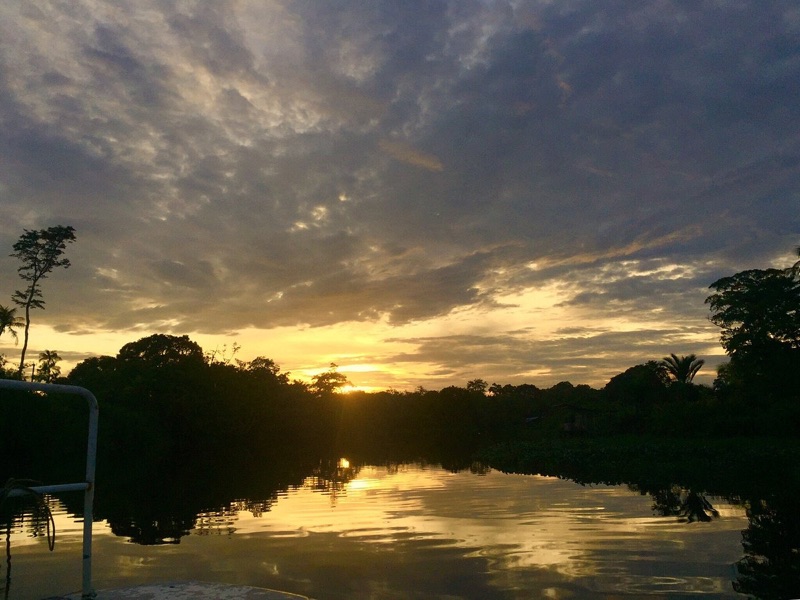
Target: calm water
(412,532)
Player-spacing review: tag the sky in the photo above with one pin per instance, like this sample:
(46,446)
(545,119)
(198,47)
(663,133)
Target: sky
(423,193)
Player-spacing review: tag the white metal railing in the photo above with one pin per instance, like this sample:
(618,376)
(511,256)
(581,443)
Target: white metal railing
(91,459)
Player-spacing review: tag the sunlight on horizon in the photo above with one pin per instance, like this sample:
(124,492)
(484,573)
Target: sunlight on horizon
(378,355)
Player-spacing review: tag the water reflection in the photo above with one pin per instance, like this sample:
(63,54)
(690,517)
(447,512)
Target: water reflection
(676,501)
(331,477)
(363,531)
(340,528)
(771,566)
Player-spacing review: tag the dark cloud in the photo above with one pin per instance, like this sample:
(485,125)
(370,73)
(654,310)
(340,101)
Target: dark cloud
(591,356)
(312,163)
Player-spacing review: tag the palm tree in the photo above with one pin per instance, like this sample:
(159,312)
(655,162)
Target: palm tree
(49,370)
(9,321)
(682,369)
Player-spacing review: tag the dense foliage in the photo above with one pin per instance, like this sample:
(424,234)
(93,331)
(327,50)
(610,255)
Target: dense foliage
(758,312)
(161,394)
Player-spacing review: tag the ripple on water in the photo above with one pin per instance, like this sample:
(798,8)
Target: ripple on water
(419,531)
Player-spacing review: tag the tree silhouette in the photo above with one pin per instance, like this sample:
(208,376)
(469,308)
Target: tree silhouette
(9,321)
(477,385)
(683,369)
(48,370)
(162,350)
(325,384)
(770,568)
(40,252)
(759,314)
(757,308)
(640,384)
(264,370)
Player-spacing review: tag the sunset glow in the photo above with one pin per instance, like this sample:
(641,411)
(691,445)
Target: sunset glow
(523,192)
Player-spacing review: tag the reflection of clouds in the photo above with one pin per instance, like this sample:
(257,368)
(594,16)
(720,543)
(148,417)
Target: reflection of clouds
(516,523)
(410,526)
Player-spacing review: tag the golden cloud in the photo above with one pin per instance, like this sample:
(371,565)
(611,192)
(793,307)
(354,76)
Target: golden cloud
(411,156)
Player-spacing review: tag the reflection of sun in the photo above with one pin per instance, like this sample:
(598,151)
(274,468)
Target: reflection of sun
(358,485)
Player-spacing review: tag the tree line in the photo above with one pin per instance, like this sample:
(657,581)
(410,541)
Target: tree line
(165,391)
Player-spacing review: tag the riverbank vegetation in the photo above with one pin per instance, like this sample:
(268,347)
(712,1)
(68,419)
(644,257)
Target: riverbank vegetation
(162,394)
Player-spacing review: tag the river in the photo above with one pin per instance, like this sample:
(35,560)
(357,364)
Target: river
(402,531)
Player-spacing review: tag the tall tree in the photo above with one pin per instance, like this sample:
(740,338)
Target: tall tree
(325,384)
(162,351)
(757,309)
(477,385)
(683,369)
(265,370)
(9,321)
(39,251)
(48,370)
(759,314)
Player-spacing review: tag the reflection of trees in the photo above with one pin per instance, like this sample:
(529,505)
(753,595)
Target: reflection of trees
(771,566)
(331,477)
(14,512)
(223,520)
(217,522)
(688,505)
(676,501)
(255,507)
(152,501)
(697,508)
(153,530)
(31,514)
(172,517)
(479,468)
(770,569)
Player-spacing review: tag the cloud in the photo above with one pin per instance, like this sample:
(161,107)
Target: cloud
(589,356)
(409,155)
(270,164)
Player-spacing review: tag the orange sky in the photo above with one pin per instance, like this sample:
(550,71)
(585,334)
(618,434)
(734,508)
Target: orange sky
(423,194)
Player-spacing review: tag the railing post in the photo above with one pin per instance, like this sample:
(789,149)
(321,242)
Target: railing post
(87,591)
